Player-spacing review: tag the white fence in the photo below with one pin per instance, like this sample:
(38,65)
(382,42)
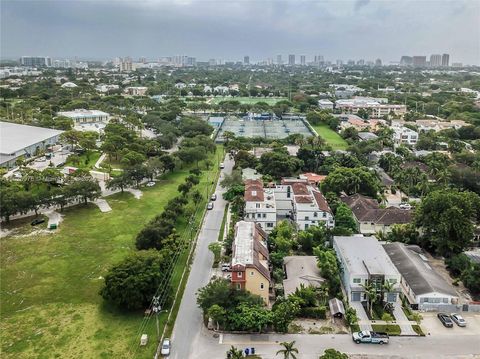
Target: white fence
(426,307)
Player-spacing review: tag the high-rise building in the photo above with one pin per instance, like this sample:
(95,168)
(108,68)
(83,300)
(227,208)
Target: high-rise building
(378,62)
(351,62)
(291,60)
(279,60)
(125,65)
(435,60)
(445,60)
(419,61)
(339,62)
(36,61)
(142,60)
(246,60)
(302,60)
(62,64)
(319,59)
(406,61)
(183,61)
(361,62)
(212,62)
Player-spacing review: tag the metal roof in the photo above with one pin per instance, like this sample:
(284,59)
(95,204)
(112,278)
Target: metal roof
(15,137)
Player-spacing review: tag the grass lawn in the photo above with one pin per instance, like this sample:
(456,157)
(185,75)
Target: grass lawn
(331,137)
(418,330)
(390,329)
(50,282)
(248,100)
(86,162)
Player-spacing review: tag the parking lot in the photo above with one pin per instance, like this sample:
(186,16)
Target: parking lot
(432,325)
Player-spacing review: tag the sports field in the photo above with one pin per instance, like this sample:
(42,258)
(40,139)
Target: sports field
(331,137)
(50,280)
(246,100)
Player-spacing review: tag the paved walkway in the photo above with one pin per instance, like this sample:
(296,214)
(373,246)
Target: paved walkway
(100,160)
(103,205)
(402,320)
(363,320)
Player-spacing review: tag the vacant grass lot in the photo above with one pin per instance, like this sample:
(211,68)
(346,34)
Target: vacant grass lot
(86,161)
(50,282)
(247,100)
(331,137)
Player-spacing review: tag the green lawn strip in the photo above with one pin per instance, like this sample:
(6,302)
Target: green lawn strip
(418,329)
(331,137)
(224,221)
(87,160)
(390,329)
(50,282)
(248,100)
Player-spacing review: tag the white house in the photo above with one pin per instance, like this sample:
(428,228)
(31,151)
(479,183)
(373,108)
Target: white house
(80,116)
(363,261)
(403,135)
(260,204)
(420,283)
(325,104)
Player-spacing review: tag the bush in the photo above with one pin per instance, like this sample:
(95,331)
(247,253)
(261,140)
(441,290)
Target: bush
(313,312)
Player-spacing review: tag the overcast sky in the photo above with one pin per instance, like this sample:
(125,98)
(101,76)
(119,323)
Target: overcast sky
(230,29)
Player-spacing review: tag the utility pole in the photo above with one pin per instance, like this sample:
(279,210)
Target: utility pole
(156,309)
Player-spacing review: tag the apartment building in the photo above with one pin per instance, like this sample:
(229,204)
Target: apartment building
(80,116)
(377,108)
(136,91)
(260,206)
(364,262)
(250,267)
(437,125)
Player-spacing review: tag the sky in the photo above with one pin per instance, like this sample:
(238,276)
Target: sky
(231,29)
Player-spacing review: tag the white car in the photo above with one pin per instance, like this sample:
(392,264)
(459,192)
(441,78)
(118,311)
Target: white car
(457,318)
(405,206)
(166,345)
(150,184)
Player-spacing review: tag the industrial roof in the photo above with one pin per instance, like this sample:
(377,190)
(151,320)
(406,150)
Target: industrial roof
(14,137)
(364,256)
(419,275)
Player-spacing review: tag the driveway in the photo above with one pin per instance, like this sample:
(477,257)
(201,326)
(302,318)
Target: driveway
(432,326)
(363,320)
(189,322)
(402,319)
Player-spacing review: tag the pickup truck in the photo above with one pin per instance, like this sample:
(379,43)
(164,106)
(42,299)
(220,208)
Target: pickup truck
(370,337)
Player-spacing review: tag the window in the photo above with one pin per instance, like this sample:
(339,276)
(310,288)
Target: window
(252,273)
(392,281)
(239,286)
(306,226)
(306,218)
(445,300)
(357,280)
(324,214)
(315,214)
(269,225)
(257,205)
(261,286)
(259,215)
(264,215)
(239,274)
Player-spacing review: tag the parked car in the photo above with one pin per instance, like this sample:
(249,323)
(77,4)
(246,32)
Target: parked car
(210,205)
(445,319)
(150,184)
(405,206)
(213,197)
(225,267)
(222,166)
(166,345)
(367,336)
(458,319)
(37,221)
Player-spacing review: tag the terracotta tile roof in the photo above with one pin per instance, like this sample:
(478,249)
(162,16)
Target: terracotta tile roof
(254,191)
(303,199)
(300,189)
(313,178)
(321,201)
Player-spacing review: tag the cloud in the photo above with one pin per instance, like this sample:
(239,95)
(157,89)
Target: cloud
(359,4)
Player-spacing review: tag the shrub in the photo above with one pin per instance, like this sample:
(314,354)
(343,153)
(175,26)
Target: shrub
(314,312)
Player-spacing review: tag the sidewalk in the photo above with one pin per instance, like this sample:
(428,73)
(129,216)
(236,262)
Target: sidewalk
(363,320)
(402,320)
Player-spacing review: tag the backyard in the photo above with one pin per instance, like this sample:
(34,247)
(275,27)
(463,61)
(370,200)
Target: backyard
(50,280)
(331,137)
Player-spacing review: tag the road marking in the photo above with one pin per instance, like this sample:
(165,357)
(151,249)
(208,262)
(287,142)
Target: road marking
(220,340)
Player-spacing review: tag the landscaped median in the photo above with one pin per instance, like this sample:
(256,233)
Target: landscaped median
(50,282)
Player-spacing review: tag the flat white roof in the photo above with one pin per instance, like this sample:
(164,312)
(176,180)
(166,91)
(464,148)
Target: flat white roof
(14,137)
(82,113)
(364,255)
(244,243)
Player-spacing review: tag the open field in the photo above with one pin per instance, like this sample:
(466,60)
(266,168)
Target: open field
(50,281)
(246,100)
(331,137)
(85,162)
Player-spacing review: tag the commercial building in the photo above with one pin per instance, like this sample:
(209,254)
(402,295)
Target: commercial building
(260,204)
(300,271)
(80,116)
(291,60)
(445,60)
(21,140)
(36,61)
(136,91)
(371,218)
(420,283)
(406,61)
(250,267)
(364,262)
(435,60)
(419,61)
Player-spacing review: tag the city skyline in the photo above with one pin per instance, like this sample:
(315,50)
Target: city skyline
(196,29)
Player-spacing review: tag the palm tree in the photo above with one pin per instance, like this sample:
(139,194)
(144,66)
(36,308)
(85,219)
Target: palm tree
(371,293)
(289,350)
(388,287)
(234,353)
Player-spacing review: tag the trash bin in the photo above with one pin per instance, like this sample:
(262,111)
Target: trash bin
(53,226)
(252,351)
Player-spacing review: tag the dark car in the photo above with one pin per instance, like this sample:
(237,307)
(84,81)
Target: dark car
(445,319)
(37,221)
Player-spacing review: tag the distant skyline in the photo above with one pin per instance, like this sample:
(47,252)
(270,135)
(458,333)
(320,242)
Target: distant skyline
(230,30)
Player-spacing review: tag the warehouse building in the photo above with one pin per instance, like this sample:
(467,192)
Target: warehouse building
(21,140)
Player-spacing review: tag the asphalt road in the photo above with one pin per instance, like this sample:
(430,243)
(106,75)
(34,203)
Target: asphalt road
(188,324)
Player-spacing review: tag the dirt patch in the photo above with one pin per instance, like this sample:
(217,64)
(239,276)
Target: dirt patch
(319,326)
